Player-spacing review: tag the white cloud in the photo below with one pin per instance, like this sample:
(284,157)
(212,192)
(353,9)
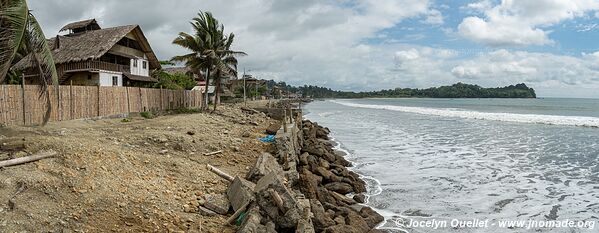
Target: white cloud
(586,27)
(300,42)
(480,6)
(323,42)
(434,17)
(520,22)
(540,69)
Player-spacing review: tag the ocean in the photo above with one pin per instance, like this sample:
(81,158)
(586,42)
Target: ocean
(472,165)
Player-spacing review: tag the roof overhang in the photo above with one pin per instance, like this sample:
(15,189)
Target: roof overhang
(139,78)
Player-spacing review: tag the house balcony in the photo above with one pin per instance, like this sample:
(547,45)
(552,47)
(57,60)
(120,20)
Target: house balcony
(93,65)
(89,65)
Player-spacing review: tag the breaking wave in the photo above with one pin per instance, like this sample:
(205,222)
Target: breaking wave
(583,121)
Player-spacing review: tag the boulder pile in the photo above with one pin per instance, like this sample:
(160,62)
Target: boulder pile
(302,188)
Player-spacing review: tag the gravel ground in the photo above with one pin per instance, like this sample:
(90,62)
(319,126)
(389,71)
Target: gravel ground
(145,175)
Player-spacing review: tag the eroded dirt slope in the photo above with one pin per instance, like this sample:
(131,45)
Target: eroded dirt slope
(143,175)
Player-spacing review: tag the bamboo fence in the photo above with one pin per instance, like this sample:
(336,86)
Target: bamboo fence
(23,105)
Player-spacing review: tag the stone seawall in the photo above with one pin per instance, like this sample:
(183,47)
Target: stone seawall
(302,188)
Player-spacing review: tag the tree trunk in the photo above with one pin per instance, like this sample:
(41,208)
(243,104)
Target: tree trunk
(217,89)
(207,79)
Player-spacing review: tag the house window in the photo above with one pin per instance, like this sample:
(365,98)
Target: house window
(115,80)
(144,64)
(89,77)
(134,63)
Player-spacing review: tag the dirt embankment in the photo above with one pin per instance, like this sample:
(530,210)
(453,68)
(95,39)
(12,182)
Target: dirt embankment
(143,175)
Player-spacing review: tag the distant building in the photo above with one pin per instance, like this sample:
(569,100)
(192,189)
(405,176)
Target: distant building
(90,55)
(251,84)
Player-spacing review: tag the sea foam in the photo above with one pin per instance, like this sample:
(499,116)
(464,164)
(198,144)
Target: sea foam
(465,114)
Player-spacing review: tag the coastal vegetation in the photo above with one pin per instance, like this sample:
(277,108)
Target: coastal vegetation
(458,90)
(210,50)
(176,81)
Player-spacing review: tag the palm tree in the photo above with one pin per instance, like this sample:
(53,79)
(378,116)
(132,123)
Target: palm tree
(210,50)
(21,35)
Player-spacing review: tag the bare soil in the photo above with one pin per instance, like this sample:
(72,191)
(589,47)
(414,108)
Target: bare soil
(145,175)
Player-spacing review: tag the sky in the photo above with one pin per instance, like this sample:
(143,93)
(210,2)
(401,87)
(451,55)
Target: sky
(363,45)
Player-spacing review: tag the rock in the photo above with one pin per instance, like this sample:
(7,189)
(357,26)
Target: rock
(320,219)
(324,163)
(273,128)
(178,147)
(339,159)
(217,203)
(308,183)
(251,222)
(341,229)
(265,164)
(353,219)
(246,134)
(240,192)
(358,184)
(288,215)
(342,188)
(254,123)
(371,217)
(360,198)
(303,158)
(312,162)
(206,212)
(325,197)
(326,174)
(376,231)
(304,226)
(339,220)
(163,151)
(270,227)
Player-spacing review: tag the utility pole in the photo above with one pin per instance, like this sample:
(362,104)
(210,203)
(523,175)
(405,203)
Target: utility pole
(244,98)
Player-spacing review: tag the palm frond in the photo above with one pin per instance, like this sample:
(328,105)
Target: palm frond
(14,15)
(38,46)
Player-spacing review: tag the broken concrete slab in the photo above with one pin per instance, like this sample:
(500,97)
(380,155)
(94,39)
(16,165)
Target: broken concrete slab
(265,164)
(206,212)
(273,128)
(240,193)
(217,203)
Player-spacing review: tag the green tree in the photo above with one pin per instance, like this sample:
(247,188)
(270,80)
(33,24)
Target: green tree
(20,36)
(210,50)
(176,81)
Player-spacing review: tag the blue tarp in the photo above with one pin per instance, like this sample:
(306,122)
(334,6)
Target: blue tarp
(268,138)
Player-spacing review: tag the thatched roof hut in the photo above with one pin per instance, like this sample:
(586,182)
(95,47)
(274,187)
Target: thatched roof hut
(87,25)
(91,44)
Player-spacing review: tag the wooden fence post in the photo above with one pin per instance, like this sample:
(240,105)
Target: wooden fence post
(161,100)
(140,101)
(128,103)
(2,107)
(23,96)
(71,99)
(59,115)
(98,100)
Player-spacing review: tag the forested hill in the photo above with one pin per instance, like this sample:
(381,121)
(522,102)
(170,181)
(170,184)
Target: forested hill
(458,90)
